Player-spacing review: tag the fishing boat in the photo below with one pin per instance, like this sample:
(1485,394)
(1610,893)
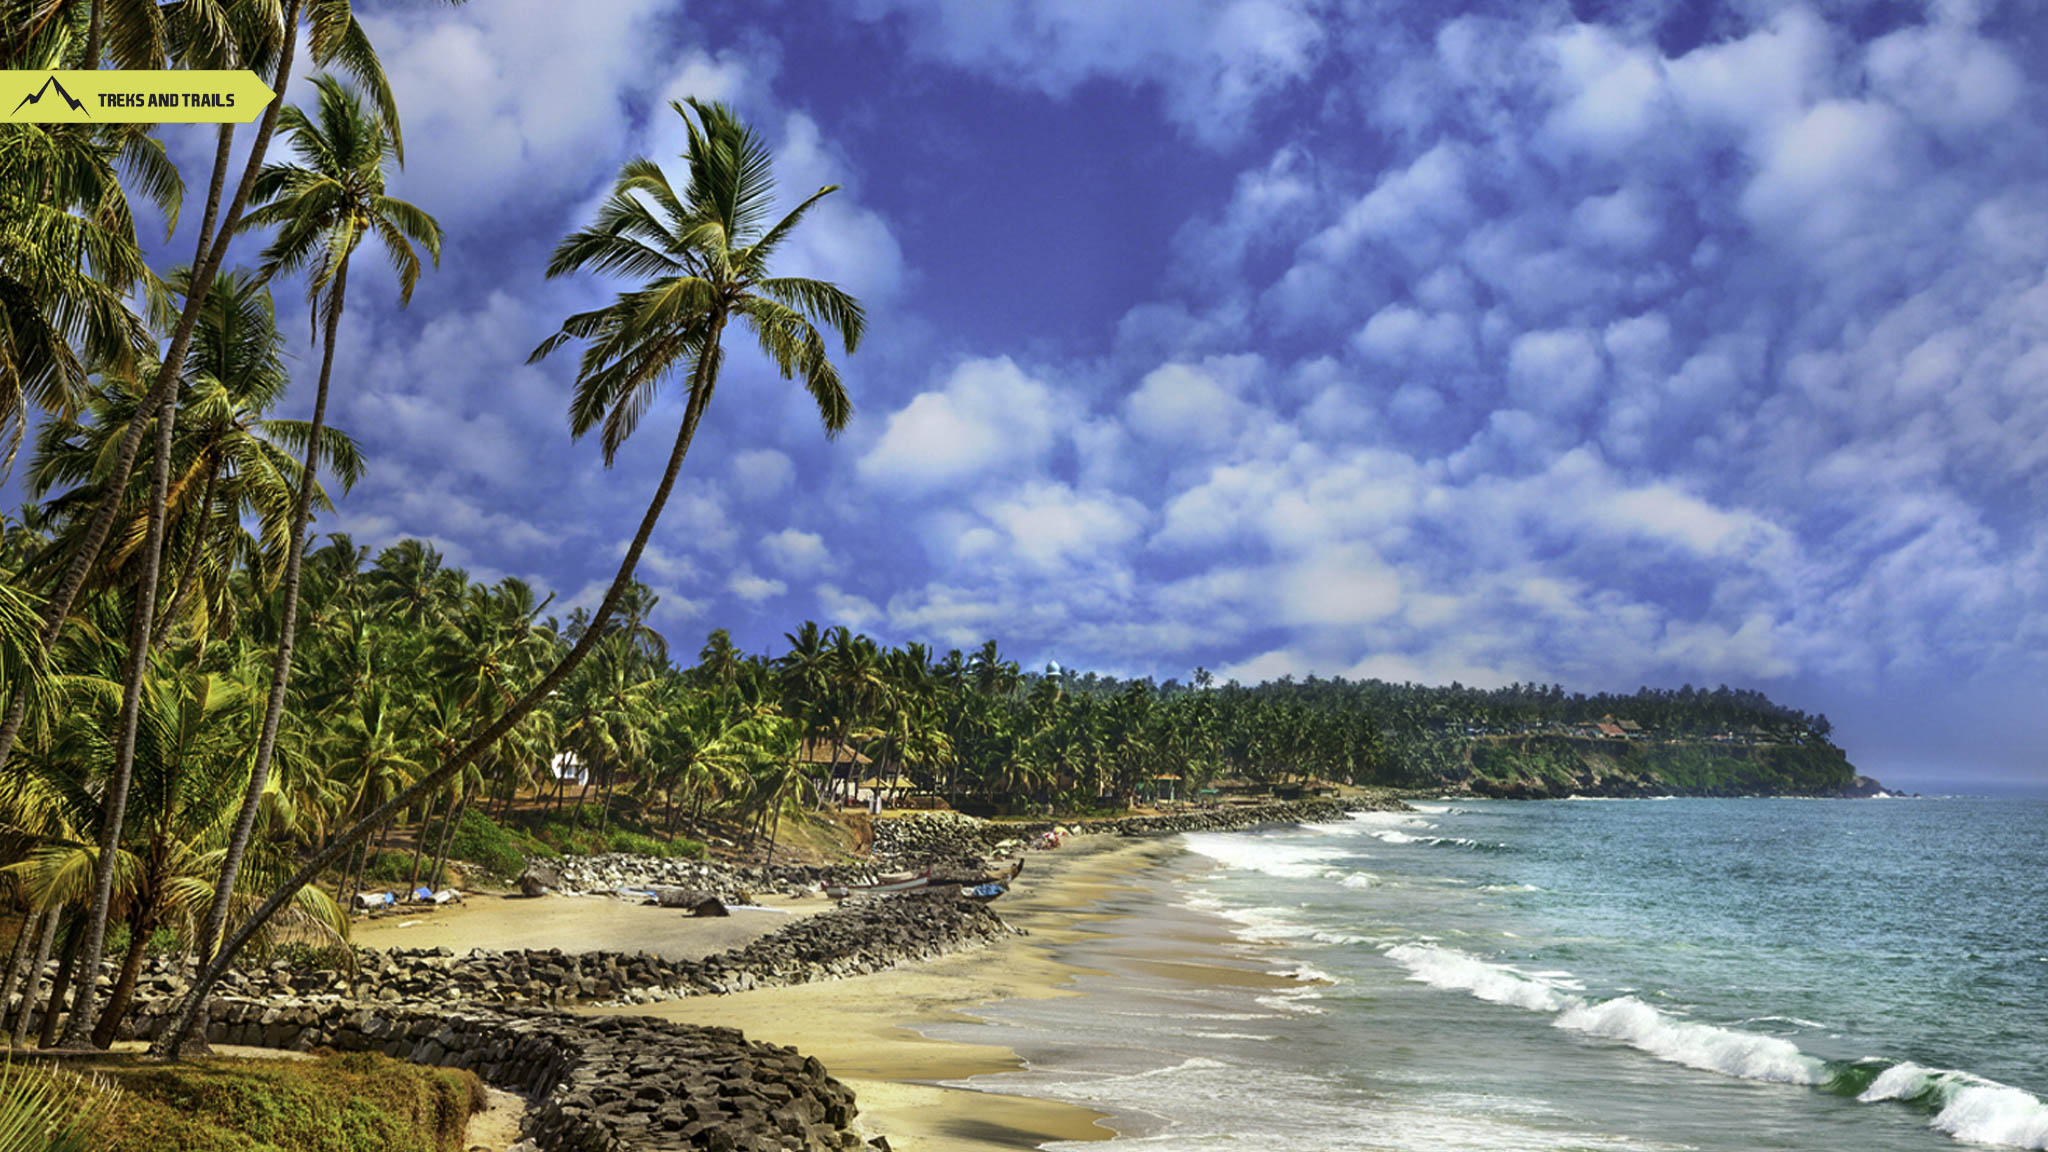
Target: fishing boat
(984,892)
(896,882)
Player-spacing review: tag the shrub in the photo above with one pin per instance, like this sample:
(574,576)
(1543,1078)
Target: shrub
(396,868)
(479,840)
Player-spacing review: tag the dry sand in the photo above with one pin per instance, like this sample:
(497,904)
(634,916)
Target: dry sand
(864,1028)
(580,924)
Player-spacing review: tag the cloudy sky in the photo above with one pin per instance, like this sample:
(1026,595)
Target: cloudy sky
(1600,343)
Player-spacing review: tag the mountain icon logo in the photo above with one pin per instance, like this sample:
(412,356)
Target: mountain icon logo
(37,96)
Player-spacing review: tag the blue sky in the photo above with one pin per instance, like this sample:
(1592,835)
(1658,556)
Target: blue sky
(1605,344)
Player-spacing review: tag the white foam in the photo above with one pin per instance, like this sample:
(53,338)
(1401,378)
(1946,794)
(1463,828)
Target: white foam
(1991,1113)
(1274,857)
(1449,968)
(1972,1108)
(1291,1002)
(1695,1045)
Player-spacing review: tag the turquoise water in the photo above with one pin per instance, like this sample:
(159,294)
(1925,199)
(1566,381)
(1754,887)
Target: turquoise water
(1678,974)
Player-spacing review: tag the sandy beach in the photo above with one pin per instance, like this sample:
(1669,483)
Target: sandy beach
(865,1029)
(581,924)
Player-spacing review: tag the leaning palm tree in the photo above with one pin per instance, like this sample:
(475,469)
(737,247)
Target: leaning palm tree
(708,249)
(323,207)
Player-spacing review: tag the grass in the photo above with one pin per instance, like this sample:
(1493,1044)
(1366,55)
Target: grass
(336,1103)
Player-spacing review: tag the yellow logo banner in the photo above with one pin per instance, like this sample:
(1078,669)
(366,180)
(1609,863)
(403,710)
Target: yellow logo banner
(118,97)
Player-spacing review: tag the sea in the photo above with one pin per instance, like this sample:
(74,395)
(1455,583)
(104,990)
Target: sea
(1581,974)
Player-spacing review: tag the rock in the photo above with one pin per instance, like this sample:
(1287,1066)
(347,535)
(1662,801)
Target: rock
(696,901)
(539,878)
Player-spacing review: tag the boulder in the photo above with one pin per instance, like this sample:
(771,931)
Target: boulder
(693,900)
(539,878)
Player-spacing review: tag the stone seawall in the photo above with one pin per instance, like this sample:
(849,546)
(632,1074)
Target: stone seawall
(857,938)
(593,1084)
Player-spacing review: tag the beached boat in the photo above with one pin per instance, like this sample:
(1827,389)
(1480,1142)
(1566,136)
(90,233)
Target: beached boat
(984,892)
(898,882)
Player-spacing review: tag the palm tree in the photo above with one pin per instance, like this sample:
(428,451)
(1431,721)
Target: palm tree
(709,249)
(322,209)
(246,37)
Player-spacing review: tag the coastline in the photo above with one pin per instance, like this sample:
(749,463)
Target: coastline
(868,1030)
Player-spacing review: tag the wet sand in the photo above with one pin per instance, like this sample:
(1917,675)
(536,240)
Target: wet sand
(865,1029)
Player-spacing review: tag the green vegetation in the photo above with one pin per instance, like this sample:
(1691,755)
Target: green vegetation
(1561,766)
(331,1104)
(50,1110)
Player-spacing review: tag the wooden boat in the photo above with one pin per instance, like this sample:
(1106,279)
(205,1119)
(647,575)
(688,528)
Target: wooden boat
(898,882)
(984,892)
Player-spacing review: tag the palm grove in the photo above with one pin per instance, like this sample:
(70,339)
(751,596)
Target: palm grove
(213,715)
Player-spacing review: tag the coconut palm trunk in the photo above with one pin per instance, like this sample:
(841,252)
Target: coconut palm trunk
(60,988)
(419,839)
(281,667)
(448,828)
(33,989)
(32,944)
(114,808)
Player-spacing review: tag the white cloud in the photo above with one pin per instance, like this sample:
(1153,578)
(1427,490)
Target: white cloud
(1050,526)
(752,588)
(987,417)
(762,473)
(1610,91)
(1216,61)
(1406,206)
(501,109)
(1945,77)
(1821,171)
(1558,372)
(841,607)
(1188,406)
(796,552)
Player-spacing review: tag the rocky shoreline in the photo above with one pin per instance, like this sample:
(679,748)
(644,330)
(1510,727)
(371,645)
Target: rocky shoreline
(623,1084)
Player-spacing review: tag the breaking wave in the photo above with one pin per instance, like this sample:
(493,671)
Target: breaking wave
(1965,1106)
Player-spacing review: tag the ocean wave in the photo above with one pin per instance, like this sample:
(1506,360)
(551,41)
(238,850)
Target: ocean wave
(1451,969)
(1729,1051)
(1966,1106)
(1273,856)
(1396,836)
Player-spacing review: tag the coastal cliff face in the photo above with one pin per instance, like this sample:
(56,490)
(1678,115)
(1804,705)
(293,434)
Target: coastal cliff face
(1553,767)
